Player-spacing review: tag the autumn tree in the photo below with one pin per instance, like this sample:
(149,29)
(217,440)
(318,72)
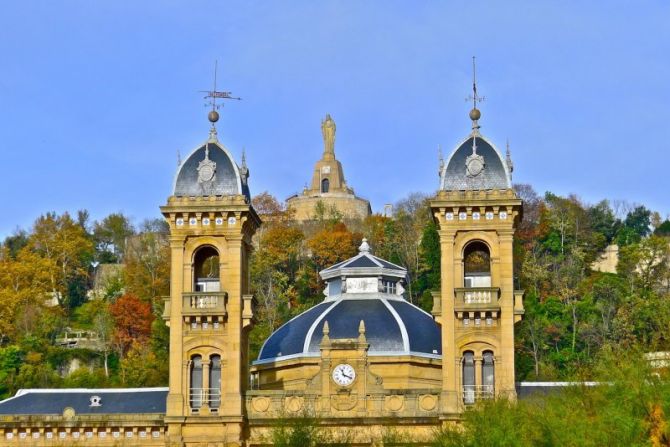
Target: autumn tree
(65,245)
(132,322)
(24,281)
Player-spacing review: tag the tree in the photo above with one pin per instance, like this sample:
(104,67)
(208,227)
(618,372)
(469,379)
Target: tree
(24,281)
(635,226)
(110,236)
(132,322)
(67,246)
(147,272)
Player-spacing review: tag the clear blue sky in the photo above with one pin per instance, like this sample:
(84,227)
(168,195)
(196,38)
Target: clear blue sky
(97,97)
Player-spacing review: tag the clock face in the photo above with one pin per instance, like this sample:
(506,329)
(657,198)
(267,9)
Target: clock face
(344,374)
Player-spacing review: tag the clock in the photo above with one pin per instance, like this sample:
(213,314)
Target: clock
(344,374)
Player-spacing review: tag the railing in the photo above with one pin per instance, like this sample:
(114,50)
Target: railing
(477,297)
(199,396)
(473,393)
(196,303)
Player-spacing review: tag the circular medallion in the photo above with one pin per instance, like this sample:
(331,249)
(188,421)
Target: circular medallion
(344,374)
(475,166)
(206,173)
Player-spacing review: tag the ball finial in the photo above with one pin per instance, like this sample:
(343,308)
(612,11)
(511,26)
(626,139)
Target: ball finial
(213,116)
(475,114)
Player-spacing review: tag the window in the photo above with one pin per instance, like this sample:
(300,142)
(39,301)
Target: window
(196,395)
(389,287)
(325,185)
(488,374)
(477,265)
(206,270)
(469,377)
(215,382)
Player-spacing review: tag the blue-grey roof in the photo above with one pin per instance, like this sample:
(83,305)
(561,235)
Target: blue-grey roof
(227,179)
(392,327)
(495,175)
(364,263)
(112,401)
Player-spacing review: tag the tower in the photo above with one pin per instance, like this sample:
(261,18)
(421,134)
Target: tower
(209,311)
(477,212)
(328,189)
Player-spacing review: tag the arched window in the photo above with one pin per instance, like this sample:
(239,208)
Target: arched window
(468,377)
(215,381)
(488,374)
(196,391)
(325,185)
(477,265)
(206,270)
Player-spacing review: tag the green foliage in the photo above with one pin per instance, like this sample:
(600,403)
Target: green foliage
(303,431)
(628,408)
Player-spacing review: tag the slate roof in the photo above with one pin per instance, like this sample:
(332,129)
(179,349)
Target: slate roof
(112,401)
(496,174)
(228,180)
(392,325)
(364,263)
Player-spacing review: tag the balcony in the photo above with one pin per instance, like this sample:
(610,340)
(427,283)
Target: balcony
(204,303)
(474,393)
(477,299)
(201,396)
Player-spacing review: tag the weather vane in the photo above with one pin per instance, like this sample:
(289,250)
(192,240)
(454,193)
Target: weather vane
(212,95)
(474,97)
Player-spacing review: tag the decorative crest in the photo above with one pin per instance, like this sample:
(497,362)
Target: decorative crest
(212,95)
(206,168)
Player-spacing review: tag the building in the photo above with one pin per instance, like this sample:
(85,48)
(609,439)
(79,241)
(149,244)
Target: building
(328,193)
(364,360)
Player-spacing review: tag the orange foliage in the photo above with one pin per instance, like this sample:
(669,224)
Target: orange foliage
(333,244)
(132,322)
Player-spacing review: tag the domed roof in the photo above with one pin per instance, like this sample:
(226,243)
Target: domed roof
(479,169)
(210,170)
(364,288)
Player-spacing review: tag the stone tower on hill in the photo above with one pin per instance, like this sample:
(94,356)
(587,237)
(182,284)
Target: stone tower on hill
(328,191)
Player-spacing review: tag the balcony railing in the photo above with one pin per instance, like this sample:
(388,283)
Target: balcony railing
(473,393)
(200,303)
(199,396)
(474,298)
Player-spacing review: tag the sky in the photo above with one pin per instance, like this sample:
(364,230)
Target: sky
(98,97)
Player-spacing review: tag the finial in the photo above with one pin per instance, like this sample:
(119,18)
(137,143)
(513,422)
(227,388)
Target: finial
(244,170)
(365,247)
(326,328)
(475,114)
(212,95)
(441,159)
(178,158)
(361,327)
(508,159)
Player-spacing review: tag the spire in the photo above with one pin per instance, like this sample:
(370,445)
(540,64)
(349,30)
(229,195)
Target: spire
(244,170)
(328,130)
(441,159)
(508,160)
(212,95)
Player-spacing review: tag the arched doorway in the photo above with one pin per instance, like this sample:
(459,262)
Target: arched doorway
(206,270)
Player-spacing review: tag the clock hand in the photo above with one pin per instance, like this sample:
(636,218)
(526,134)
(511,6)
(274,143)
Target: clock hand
(348,377)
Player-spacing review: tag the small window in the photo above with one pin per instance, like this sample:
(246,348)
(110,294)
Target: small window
(488,373)
(389,287)
(325,185)
(196,392)
(469,377)
(215,382)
